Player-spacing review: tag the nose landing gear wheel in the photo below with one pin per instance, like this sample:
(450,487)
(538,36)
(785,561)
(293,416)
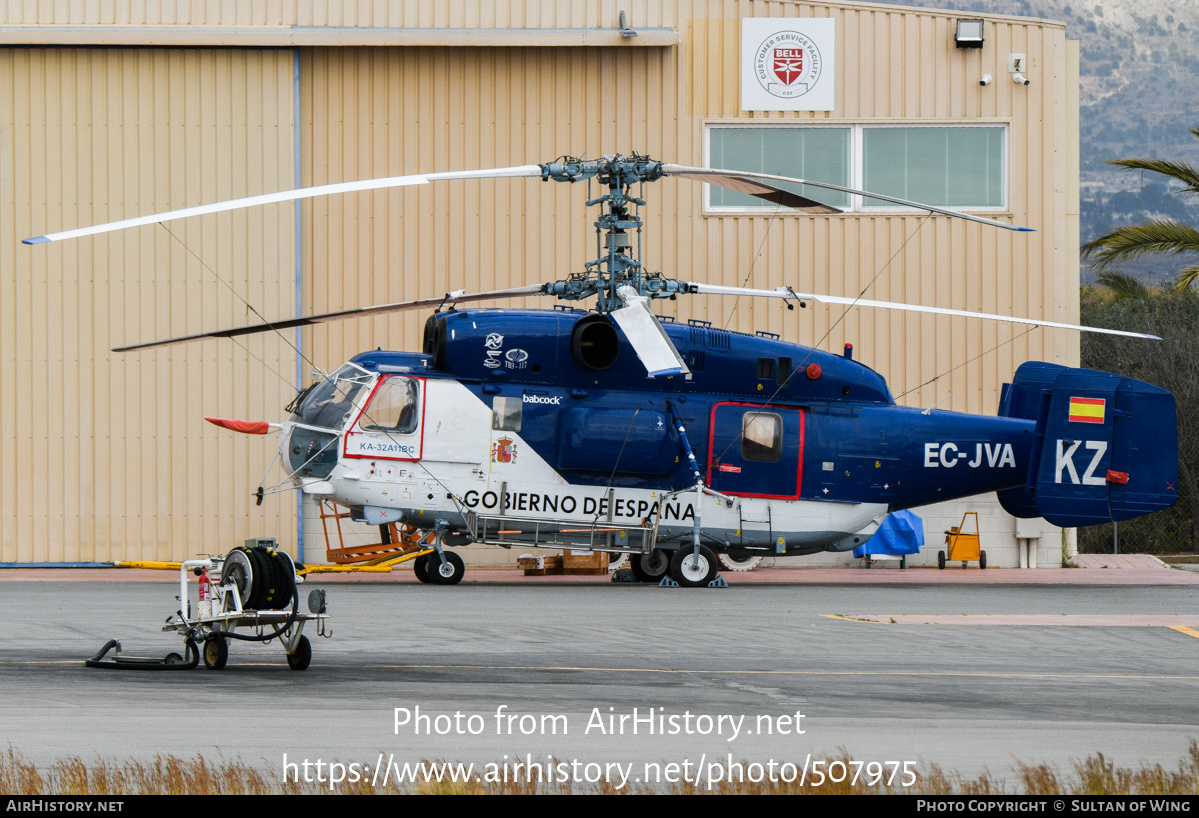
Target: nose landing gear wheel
(692,570)
(650,567)
(449,574)
(216,652)
(301,657)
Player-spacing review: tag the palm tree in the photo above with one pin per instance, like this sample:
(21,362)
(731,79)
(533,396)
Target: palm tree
(1156,236)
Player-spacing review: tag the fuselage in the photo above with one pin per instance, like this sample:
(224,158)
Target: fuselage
(512,420)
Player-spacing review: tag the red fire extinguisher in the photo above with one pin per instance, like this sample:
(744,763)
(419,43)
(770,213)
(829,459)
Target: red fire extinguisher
(205,593)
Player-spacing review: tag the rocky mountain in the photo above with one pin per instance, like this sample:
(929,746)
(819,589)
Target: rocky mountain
(1139,98)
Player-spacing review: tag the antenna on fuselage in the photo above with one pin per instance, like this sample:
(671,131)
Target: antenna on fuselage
(930,409)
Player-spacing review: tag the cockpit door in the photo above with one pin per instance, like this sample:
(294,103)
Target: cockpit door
(391,425)
(756,450)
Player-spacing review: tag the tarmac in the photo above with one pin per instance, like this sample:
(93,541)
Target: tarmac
(972,670)
(1091,569)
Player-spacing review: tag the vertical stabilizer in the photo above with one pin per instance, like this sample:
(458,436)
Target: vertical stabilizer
(1106,446)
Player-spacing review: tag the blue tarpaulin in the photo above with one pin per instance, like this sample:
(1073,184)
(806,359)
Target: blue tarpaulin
(901,533)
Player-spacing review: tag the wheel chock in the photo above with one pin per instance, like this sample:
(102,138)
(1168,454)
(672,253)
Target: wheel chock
(623,575)
(667,582)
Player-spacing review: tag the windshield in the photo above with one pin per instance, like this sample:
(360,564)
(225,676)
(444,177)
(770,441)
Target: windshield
(331,403)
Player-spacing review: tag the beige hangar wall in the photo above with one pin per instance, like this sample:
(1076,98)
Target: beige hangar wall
(106,456)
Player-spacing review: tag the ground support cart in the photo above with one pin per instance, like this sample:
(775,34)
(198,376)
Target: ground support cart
(221,612)
(250,594)
(963,545)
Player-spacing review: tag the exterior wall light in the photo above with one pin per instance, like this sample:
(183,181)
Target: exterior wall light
(969,33)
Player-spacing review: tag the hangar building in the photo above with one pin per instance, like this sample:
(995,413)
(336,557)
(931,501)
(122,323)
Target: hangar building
(120,108)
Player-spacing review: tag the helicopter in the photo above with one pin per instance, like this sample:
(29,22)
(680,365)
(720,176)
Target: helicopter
(616,429)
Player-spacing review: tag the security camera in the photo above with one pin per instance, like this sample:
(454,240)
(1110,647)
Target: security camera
(986,80)
(1019,79)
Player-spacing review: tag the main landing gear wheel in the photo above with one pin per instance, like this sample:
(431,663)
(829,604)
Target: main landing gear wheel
(301,657)
(420,567)
(739,562)
(650,567)
(692,570)
(449,574)
(216,652)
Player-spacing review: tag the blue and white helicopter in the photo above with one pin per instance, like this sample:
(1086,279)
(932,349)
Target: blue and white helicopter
(615,430)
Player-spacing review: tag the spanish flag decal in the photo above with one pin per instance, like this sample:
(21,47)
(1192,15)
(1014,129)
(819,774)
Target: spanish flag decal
(1087,410)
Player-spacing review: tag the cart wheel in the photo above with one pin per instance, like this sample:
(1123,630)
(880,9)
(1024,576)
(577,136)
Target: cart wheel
(941,559)
(173,659)
(420,568)
(449,574)
(982,560)
(216,652)
(301,657)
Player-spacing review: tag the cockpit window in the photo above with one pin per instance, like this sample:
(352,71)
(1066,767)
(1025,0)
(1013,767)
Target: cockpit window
(331,403)
(394,407)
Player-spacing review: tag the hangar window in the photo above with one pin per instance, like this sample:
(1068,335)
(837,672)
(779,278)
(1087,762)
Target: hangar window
(960,166)
(819,154)
(947,166)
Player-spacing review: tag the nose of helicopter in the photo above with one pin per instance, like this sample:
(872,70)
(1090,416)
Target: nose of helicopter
(310,454)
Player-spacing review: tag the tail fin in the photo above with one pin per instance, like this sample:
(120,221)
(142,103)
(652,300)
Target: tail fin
(1106,446)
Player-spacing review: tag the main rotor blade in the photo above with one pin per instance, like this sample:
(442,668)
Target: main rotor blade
(456,297)
(287,196)
(789,294)
(640,326)
(740,183)
(745,177)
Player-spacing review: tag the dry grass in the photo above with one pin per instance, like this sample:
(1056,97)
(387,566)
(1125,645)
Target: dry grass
(1099,776)
(169,775)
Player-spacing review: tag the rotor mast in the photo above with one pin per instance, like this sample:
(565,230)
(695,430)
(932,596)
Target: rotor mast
(616,266)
